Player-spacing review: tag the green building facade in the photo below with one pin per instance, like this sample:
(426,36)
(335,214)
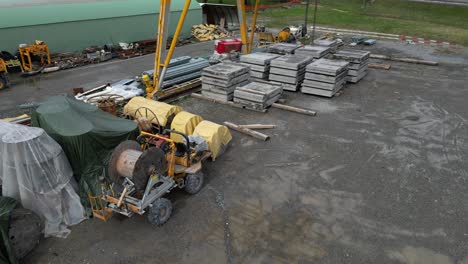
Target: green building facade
(72,25)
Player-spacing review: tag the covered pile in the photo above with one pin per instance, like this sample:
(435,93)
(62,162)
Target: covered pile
(257,95)
(219,81)
(325,77)
(358,63)
(259,64)
(86,134)
(289,70)
(36,172)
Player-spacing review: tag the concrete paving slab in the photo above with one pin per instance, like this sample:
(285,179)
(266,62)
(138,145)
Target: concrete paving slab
(283,48)
(286,79)
(218,96)
(328,67)
(325,78)
(225,71)
(258,68)
(285,72)
(258,58)
(355,56)
(356,79)
(313,51)
(259,75)
(323,85)
(226,83)
(291,62)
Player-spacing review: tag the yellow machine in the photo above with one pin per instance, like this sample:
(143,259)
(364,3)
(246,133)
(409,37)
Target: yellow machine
(37,49)
(141,172)
(161,60)
(4,81)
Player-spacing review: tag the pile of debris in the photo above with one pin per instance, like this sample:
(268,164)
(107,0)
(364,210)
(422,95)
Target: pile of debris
(208,32)
(259,64)
(316,52)
(289,70)
(257,95)
(219,81)
(283,48)
(358,63)
(325,77)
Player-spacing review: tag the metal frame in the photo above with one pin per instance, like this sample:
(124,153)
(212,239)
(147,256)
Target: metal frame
(41,50)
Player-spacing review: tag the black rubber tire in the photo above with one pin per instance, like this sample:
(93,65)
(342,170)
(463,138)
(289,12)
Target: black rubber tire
(160,211)
(194,182)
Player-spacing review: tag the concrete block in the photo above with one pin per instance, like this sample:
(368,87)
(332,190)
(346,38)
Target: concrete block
(291,62)
(225,70)
(258,58)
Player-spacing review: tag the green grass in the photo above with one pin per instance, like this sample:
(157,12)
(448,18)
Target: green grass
(440,22)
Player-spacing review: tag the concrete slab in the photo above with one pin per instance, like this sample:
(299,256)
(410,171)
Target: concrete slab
(328,67)
(283,48)
(286,79)
(259,75)
(257,92)
(325,78)
(218,96)
(225,83)
(357,66)
(285,72)
(291,62)
(258,68)
(225,71)
(351,55)
(323,85)
(316,91)
(258,58)
(355,79)
(214,88)
(256,105)
(355,73)
(313,51)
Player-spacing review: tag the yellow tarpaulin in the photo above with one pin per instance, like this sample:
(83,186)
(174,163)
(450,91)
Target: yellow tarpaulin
(216,135)
(184,122)
(162,110)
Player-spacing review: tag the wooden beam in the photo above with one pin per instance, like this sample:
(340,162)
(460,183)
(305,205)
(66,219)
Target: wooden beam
(408,60)
(380,66)
(247,131)
(294,109)
(257,126)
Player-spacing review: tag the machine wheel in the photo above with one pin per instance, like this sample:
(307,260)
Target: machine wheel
(160,211)
(194,182)
(4,83)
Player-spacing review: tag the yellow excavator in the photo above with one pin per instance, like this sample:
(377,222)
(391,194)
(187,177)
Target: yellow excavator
(4,81)
(162,58)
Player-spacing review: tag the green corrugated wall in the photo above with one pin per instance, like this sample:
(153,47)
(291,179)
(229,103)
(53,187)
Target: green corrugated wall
(71,25)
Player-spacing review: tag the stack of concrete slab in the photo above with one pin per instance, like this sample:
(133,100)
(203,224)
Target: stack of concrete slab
(325,77)
(283,48)
(329,43)
(358,63)
(259,64)
(289,70)
(219,81)
(257,95)
(316,52)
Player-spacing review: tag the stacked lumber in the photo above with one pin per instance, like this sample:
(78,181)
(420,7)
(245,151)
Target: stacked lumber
(257,95)
(259,64)
(325,77)
(219,81)
(358,63)
(283,48)
(289,70)
(209,32)
(316,52)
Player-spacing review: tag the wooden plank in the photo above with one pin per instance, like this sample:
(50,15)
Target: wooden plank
(199,96)
(408,60)
(294,109)
(247,131)
(380,66)
(257,126)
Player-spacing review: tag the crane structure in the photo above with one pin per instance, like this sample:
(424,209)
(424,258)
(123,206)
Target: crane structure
(163,57)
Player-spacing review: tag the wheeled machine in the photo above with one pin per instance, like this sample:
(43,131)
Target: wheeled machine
(142,172)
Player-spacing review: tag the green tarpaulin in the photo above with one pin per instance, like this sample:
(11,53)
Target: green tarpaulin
(7,254)
(86,134)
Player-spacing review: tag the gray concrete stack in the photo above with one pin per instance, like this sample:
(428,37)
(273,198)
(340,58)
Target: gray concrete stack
(257,95)
(358,63)
(283,48)
(289,70)
(316,52)
(259,64)
(325,77)
(219,81)
(329,43)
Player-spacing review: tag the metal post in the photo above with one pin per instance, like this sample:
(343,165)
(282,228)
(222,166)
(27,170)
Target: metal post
(304,30)
(254,22)
(243,23)
(315,19)
(175,39)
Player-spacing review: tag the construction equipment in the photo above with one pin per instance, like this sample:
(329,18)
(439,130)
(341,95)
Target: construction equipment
(141,172)
(4,81)
(40,49)
(162,60)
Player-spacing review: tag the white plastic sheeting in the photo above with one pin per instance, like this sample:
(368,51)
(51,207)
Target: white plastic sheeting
(35,171)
